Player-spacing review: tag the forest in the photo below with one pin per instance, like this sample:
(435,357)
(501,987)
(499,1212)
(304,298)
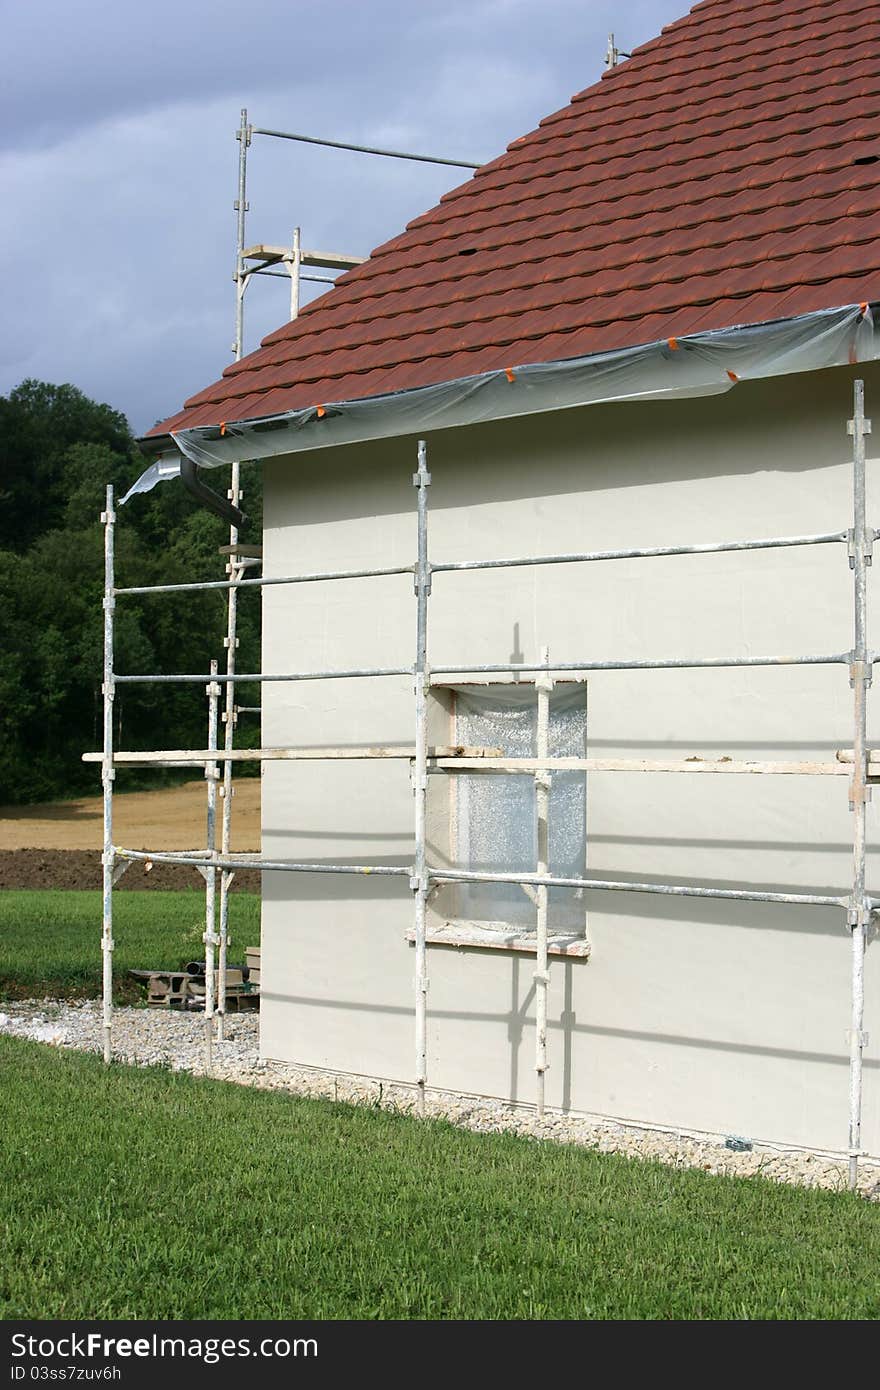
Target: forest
(58,451)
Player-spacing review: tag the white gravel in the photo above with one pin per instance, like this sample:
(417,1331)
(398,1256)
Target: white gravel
(149,1037)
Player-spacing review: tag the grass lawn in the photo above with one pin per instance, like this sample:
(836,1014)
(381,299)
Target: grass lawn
(50,942)
(130,1193)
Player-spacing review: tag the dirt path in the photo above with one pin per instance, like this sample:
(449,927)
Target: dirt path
(173,818)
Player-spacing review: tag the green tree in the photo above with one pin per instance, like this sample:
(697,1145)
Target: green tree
(39,426)
(58,450)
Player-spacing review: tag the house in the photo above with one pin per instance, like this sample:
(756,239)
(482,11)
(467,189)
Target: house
(639,328)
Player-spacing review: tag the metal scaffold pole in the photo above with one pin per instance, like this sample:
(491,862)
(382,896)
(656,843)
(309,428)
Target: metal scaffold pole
(236,572)
(230,714)
(294,266)
(243,136)
(420,883)
(211,939)
(108,774)
(861,543)
(543,687)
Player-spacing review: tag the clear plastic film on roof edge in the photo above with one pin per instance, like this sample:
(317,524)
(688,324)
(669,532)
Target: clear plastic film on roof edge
(696,365)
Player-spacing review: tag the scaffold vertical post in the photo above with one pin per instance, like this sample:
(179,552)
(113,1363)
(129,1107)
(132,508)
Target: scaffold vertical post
(543,687)
(243,136)
(211,939)
(294,266)
(230,715)
(860,548)
(419,881)
(108,774)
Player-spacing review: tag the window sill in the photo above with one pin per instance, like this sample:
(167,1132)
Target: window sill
(466,934)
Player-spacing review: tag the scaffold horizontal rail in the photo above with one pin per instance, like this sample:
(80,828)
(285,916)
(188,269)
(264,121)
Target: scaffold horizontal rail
(488,760)
(245,678)
(694,663)
(508,562)
(260,582)
(680,890)
(364,149)
(184,756)
(511,668)
(195,856)
(727,766)
(205,858)
(642,552)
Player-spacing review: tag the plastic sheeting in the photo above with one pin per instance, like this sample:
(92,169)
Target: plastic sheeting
(495,819)
(698,365)
(157,472)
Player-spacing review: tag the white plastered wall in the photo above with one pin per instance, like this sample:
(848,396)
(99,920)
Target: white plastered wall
(717,1016)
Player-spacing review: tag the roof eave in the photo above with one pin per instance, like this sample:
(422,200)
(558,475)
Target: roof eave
(696,365)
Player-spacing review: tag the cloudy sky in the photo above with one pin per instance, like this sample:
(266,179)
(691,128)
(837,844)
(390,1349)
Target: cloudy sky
(119,162)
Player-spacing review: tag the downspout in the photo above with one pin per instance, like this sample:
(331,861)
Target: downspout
(206,497)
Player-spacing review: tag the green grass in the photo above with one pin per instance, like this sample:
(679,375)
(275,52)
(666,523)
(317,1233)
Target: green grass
(50,941)
(149,1194)
(130,1193)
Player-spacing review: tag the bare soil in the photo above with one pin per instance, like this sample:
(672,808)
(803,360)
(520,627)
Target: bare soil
(58,845)
(81,868)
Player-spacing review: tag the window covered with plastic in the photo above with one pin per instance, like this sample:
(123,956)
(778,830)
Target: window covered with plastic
(494,818)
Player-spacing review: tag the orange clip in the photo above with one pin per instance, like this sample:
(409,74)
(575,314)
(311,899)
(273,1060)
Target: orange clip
(510,373)
(321,412)
(672,344)
(223,428)
(733,376)
(864,308)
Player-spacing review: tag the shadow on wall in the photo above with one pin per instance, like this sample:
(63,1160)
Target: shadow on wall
(519,1025)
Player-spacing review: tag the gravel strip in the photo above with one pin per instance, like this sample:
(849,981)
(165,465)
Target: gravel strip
(162,1037)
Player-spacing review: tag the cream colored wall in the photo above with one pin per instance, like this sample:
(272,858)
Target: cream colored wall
(718,1016)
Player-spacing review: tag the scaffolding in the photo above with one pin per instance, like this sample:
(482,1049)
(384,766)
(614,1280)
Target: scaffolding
(262,259)
(859,765)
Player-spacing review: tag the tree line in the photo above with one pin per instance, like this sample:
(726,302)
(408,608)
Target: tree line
(58,451)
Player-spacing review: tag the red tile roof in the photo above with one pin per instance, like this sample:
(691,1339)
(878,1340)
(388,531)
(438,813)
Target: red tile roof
(728,173)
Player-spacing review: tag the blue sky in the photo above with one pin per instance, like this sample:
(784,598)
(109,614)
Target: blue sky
(118,158)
